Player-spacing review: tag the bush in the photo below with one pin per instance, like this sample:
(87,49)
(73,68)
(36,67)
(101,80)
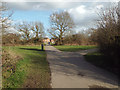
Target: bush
(81,38)
(108,35)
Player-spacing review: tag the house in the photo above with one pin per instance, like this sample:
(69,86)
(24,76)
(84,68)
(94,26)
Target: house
(52,40)
(46,40)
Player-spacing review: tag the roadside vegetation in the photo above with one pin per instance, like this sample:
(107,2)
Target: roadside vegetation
(73,48)
(10,68)
(107,35)
(30,65)
(100,60)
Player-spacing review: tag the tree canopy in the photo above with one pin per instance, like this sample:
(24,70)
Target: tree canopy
(61,22)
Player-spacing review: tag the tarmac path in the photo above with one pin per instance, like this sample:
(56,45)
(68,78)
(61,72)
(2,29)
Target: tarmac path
(70,70)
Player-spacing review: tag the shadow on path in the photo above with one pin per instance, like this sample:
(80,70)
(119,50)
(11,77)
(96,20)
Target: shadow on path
(32,49)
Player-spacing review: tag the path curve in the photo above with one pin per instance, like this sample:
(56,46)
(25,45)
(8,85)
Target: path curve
(70,70)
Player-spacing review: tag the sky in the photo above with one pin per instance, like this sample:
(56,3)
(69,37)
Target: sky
(84,14)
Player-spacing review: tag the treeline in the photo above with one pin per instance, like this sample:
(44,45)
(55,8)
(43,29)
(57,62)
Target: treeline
(19,33)
(27,33)
(62,32)
(80,38)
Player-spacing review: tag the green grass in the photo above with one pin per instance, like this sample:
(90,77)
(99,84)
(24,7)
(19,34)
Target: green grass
(73,48)
(33,67)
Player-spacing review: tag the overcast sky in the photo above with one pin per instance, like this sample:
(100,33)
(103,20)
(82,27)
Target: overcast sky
(84,14)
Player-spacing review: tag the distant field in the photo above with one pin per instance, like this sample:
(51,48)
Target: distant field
(31,71)
(73,48)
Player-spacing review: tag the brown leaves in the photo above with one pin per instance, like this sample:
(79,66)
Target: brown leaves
(9,60)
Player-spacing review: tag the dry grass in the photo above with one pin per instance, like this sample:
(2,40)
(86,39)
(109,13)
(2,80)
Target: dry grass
(9,60)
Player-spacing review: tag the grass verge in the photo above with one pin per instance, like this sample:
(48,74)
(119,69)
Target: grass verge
(73,48)
(95,58)
(32,71)
(100,60)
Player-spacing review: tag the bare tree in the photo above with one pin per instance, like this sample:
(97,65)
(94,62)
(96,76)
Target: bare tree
(4,17)
(31,32)
(5,21)
(60,23)
(106,33)
(38,27)
(24,29)
(108,26)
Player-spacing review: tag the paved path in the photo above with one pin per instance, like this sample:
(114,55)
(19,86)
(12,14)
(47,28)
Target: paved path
(83,52)
(70,70)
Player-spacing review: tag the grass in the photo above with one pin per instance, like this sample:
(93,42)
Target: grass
(100,60)
(73,48)
(95,58)
(32,71)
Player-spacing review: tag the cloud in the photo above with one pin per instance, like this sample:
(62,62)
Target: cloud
(78,12)
(83,13)
(99,6)
(52,5)
(81,9)
(42,5)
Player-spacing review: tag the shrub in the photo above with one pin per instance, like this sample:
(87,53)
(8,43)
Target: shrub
(108,35)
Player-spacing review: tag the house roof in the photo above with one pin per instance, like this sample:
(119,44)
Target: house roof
(46,38)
